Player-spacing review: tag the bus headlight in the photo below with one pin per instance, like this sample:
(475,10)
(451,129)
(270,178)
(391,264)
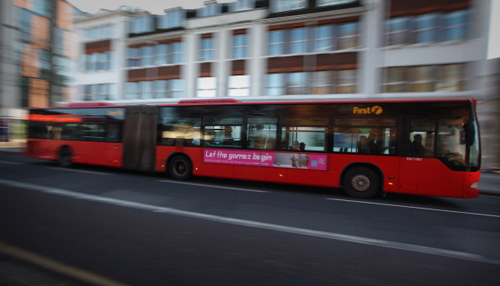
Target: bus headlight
(473,186)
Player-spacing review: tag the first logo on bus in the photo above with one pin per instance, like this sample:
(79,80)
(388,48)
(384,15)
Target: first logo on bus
(376,109)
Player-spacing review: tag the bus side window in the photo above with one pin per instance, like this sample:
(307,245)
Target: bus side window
(224,132)
(227,136)
(261,133)
(180,132)
(421,137)
(452,140)
(302,138)
(365,140)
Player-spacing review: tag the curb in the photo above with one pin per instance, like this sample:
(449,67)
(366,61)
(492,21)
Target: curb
(489,193)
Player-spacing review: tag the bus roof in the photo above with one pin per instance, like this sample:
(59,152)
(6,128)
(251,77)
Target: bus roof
(232,101)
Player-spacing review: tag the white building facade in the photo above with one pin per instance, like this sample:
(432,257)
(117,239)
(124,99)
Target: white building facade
(281,50)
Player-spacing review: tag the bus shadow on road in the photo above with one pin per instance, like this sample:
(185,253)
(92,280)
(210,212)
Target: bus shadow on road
(386,198)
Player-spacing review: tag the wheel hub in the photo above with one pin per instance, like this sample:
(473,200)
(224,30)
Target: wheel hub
(360,183)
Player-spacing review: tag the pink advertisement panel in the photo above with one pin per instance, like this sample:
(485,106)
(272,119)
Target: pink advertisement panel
(266,159)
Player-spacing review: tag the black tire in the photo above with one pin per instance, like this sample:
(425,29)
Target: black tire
(361,182)
(65,157)
(180,168)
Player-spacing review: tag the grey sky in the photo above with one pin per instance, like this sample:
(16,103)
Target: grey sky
(153,6)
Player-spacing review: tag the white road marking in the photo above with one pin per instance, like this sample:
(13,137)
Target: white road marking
(410,207)
(11,163)
(79,171)
(260,225)
(212,186)
(56,266)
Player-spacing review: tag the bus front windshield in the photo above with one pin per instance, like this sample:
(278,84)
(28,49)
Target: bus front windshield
(458,143)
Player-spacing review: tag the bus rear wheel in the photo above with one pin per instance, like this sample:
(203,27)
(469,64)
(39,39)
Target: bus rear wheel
(361,182)
(65,157)
(180,168)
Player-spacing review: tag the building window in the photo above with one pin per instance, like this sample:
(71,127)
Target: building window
(276,42)
(98,33)
(175,88)
(97,61)
(348,36)
(207,87)
(242,5)
(210,10)
(441,78)
(41,7)
(456,26)
(275,84)
(322,82)
(172,19)
(133,57)
(160,88)
(297,83)
(298,41)
(397,30)
(425,28)
(162,54)
(346,81)
(288,5)
(154,89)
(131,90)
(332,2)
(177,53)
(58,41)
(159,54)
(428,28)
(452,78)
(319,82)
(142,25)
(147,55)
(323,38)
(239,85)
(44,58)
(146,89)
(97,92)
(395,79)
(240,46)
(421,79)
(207,51)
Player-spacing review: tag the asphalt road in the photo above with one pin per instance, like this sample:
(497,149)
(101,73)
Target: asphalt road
(91,225)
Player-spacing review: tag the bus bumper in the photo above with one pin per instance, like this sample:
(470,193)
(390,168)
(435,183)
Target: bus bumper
(471,181)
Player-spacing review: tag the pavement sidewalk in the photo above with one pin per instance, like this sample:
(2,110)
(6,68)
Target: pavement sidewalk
(13,146)
(488,185)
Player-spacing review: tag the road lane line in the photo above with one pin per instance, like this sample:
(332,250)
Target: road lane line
(55,266)
(410,207)
(11,163)
(79,171)
(260,225)
(212,186)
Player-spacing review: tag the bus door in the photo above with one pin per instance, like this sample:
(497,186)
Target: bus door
(139,138)
(434,154)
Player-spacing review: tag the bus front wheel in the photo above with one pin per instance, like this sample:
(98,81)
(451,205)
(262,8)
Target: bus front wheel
(179,168)
(65,157)
(361,182)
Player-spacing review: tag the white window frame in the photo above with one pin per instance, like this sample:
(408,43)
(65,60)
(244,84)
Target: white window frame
(239,85)
(288,5)
(206,87)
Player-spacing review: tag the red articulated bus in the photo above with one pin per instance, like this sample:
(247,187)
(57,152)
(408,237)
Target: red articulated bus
(426,147)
